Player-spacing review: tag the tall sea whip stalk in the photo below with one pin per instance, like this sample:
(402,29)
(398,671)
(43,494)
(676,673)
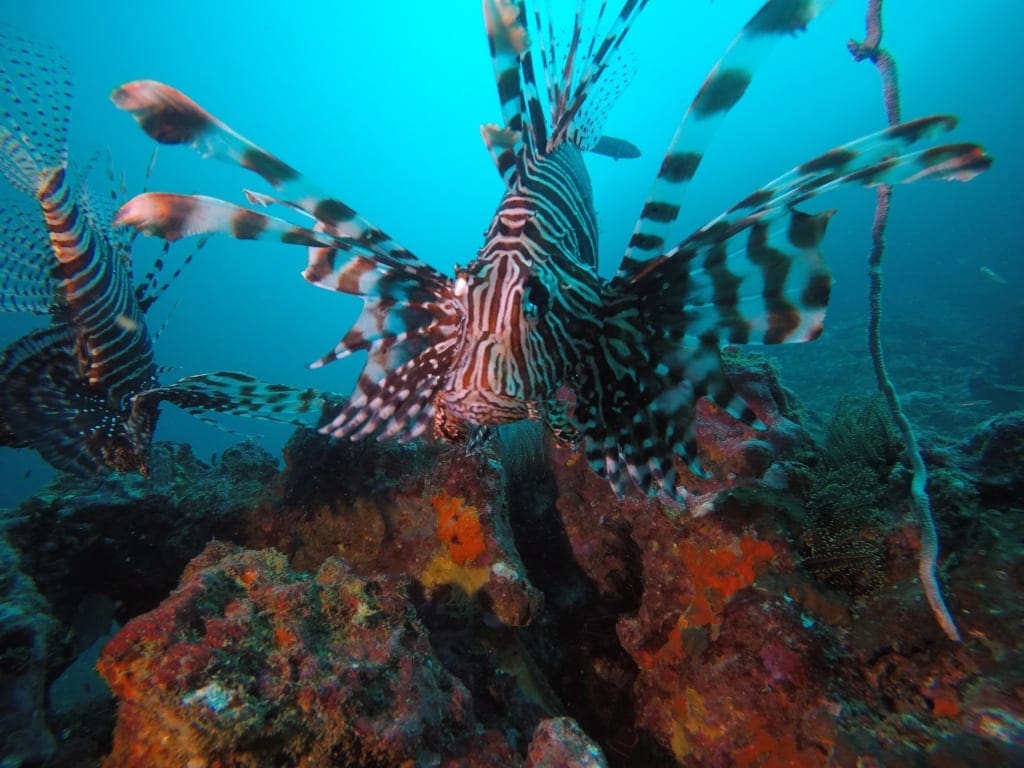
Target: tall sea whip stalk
(871,49)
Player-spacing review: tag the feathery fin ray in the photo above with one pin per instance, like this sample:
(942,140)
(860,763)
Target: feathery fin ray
(640,352)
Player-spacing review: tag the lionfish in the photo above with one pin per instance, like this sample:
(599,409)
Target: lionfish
(84,391)
(529,330)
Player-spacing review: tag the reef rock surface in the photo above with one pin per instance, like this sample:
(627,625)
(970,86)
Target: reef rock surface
(403,605)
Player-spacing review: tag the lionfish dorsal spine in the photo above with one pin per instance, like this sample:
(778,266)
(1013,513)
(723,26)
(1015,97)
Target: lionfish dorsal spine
(723,87)
(529,125)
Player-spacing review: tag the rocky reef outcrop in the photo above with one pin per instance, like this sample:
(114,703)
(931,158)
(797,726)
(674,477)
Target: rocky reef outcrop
(402,605)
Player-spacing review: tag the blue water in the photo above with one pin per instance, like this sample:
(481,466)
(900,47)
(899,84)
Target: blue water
(382,102)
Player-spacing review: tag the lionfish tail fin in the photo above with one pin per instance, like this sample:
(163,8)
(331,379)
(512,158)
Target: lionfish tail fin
(35,109)
(723,87)
(238,394)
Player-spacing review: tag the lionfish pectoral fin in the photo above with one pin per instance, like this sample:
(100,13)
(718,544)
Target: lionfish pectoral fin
(410,322)
(396,393)
(170,117)
(35,108)
(755,274)
(27,279)
(640,428)
(172,217)
(723,87)
(150,289)
(238,394)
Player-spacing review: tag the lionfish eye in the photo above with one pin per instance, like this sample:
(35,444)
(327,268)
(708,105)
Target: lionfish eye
(535,299)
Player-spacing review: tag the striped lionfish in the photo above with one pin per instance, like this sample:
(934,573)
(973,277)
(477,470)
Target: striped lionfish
(529,330)
(84,391)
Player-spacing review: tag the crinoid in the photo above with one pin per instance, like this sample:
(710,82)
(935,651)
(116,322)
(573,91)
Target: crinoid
(847,502)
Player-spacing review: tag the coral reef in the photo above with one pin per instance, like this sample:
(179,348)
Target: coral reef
(249,663)
(560,742)
(403,605)
(25,626)
(128,536)
(996,454)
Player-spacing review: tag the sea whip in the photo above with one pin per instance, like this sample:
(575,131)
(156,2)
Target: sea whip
(871,49)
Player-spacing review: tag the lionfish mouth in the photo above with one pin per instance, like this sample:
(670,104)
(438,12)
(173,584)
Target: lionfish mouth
(486,408)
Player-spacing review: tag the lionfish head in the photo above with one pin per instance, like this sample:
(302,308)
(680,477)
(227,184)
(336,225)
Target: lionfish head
(507,362)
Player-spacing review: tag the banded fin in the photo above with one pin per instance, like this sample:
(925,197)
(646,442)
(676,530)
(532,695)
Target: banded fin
(755,274)
(394,396)
(508,39)
(239,394)
(173,217)
(722,89)
(35,109)
(47,406)
(411,322)
(27,279)
(411,326)
(150,289)
(879,158)
(171,117)
(581,102)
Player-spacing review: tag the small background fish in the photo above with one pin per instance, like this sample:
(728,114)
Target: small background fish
(994,276)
